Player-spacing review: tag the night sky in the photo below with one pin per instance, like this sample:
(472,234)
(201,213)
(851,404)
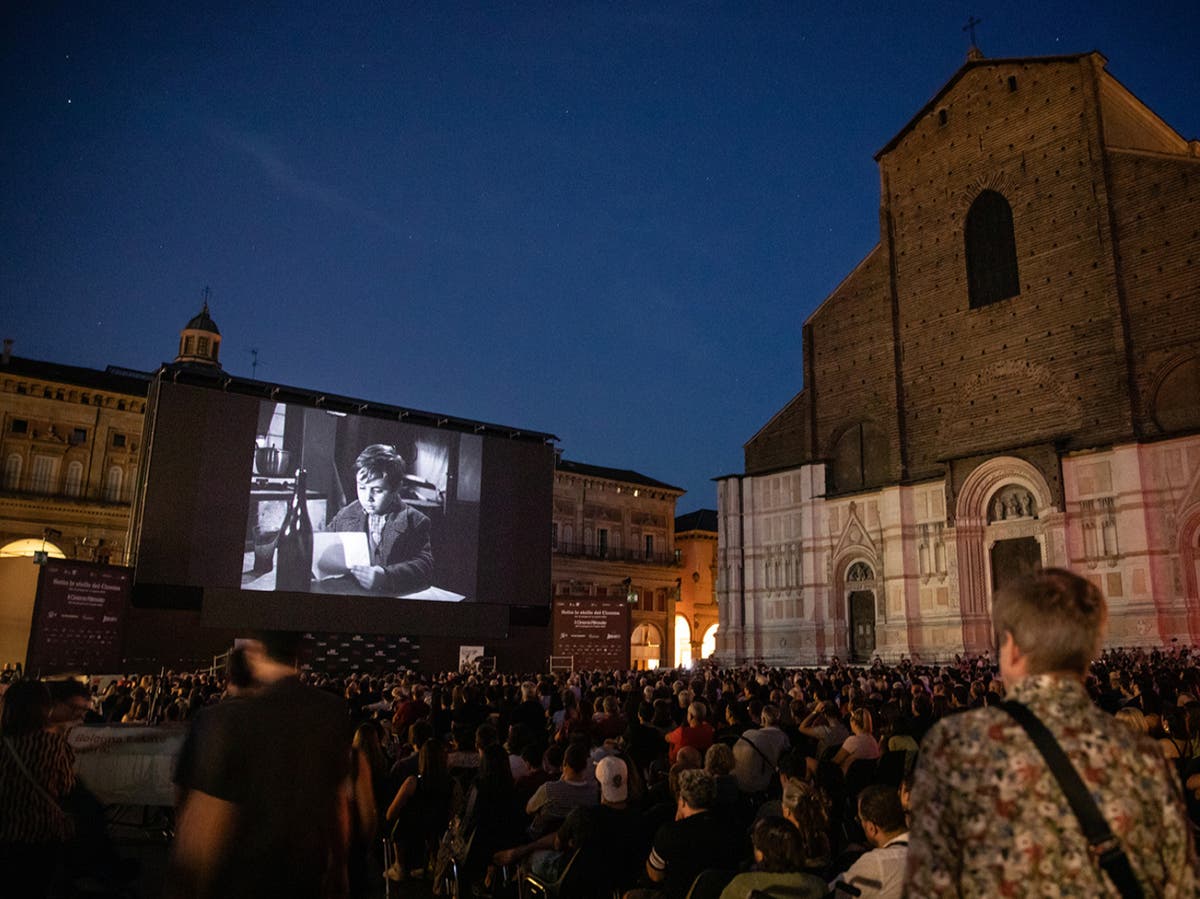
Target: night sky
(603,220)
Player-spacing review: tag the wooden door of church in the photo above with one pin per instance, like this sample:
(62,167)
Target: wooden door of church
(1013,559)
(862,625)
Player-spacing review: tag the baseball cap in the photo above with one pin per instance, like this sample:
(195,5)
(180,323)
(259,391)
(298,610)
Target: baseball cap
(614,779)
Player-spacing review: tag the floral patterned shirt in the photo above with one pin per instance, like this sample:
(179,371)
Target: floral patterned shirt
(989,819)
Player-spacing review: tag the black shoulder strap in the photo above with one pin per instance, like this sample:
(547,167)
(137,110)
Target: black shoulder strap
(770,765)
(1104,845)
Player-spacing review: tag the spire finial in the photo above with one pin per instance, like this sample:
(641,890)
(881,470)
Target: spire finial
(973,52)
(206,294)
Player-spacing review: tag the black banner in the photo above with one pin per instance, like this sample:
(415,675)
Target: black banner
(594,631)
(78,617)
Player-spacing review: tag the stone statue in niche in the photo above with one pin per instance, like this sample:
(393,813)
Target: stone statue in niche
(1012,503)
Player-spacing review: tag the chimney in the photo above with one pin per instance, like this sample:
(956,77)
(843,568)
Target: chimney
(7,355)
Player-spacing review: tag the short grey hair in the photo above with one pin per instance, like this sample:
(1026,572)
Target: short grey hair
(697,789)
(1056,618)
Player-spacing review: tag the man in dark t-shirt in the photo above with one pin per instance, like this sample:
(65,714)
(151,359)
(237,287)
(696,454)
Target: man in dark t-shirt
(696,840)
(267,812)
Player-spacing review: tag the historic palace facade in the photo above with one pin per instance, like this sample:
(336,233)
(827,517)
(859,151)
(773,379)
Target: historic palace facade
(1009,379)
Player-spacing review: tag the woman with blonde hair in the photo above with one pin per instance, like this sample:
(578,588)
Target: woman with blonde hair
(861,745)
(1133,718)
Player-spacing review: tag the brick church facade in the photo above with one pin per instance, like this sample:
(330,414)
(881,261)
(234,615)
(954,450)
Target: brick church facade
(1010,378)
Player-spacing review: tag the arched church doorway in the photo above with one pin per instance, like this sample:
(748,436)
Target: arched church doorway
(709,645)
(645,647)
(1014,552)
(860,598)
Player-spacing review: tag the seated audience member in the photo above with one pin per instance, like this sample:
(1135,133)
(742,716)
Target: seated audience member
(861,745)
(644,743)
(607,833)
(72,705)
(1133,718)
(778,862)
(36,775)
(824,725)
(793,765)
(698,839)
(554,800)
(697,732)
(807,809)
(421,810)
(879,874)
(757,752)
(544,767)
(608,723)
(489,821)
(719,762)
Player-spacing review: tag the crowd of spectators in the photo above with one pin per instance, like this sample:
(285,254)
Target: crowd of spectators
(634,781)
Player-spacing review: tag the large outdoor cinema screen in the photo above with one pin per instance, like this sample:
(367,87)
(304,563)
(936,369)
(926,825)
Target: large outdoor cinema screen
(398,513)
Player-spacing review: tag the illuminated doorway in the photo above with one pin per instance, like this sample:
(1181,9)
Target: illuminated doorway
(28,547)
(709,644)
(683,642)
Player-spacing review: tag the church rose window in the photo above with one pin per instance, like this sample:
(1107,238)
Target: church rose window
(991,250)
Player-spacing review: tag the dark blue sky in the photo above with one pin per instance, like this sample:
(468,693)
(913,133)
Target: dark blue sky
(603,220)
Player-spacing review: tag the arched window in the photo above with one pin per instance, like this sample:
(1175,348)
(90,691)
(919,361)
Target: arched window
(43,474)
(12,472)
(112,484)
(991,250)
(1177,400)
(74,480)
(860,459)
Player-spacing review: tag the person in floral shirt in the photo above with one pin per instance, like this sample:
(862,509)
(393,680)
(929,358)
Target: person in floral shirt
(988,816)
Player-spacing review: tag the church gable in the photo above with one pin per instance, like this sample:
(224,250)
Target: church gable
(1129,124)
(783,442)
(853,368)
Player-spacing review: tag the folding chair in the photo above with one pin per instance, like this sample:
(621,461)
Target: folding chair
(568,884)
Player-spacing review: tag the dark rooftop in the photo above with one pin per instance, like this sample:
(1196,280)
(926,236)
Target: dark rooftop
(203,322)
(120,380)
(700,520)
(623,475)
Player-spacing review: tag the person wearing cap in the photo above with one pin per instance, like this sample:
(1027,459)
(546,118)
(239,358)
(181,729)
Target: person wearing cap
(605,831)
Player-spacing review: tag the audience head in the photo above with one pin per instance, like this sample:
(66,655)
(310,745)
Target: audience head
(575,758)
(431,760)
(1055,619)
(26,708)
(777,848)
(613,775)
(861,721)
(1133,719)
(718,760)
(689,757)
(880,813)
(697,790)
(770,715)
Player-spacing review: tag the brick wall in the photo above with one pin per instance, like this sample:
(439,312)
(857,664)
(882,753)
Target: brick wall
(1156,213)
(1047,364)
